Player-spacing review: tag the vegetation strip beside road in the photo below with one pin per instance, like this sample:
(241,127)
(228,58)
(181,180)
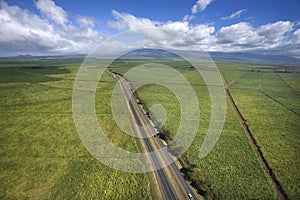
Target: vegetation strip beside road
(169,177)
(232,165)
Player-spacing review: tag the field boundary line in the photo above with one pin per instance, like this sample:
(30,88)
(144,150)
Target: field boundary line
(290,87)
(276,101)
(234,80)
(276,184)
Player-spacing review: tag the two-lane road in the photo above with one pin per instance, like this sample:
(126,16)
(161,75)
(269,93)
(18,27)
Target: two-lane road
(171,183)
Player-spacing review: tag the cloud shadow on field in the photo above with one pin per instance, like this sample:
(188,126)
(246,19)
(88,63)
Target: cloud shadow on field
(31,74)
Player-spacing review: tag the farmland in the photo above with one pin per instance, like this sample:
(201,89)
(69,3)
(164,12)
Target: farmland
(42,155)
(270,103)
(232,167)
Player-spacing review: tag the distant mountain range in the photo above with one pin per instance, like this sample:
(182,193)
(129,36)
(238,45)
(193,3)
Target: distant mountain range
(147,53)
(255,58)
(218,56)
(150,53)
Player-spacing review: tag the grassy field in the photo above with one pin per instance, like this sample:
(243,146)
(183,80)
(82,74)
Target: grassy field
(232,167)
(41,155)
(270,103)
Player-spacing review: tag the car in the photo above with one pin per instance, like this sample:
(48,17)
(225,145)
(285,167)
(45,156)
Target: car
(190,196)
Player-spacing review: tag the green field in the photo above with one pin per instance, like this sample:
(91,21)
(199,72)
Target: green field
(42,156)
(270,103)
(232,167)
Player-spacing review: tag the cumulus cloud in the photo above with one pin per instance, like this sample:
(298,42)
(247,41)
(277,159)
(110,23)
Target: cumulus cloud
(52,11)
(241,34)
(188,17)
(236,37)
(237,14)
(52,32)
(200,6)
(162,32)
(275,32)
(22,32)
(125,21)
(295,39)
(86,21)
(177,26)
(266,38)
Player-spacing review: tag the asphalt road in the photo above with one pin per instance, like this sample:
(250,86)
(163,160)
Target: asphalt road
(171,183)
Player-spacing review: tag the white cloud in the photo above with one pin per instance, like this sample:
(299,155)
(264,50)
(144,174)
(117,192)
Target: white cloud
(241,34)
(200,6)
(188,17)
(203,34)
(267,38)
(177,26)
(86,21)
(295,39)
(22,32)
(127,21)
(275,32)
(52,11)
(237,14)
(164,34)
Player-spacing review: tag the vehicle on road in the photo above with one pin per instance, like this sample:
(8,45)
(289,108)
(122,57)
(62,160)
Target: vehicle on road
(190,196)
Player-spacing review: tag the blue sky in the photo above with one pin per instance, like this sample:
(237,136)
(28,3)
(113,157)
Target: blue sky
(42,27)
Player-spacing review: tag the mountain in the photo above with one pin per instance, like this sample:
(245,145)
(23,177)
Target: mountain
(254,58)
(150,53)
(216,56)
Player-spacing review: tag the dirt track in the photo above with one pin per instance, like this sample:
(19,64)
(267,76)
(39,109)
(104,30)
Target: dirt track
(276,185)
